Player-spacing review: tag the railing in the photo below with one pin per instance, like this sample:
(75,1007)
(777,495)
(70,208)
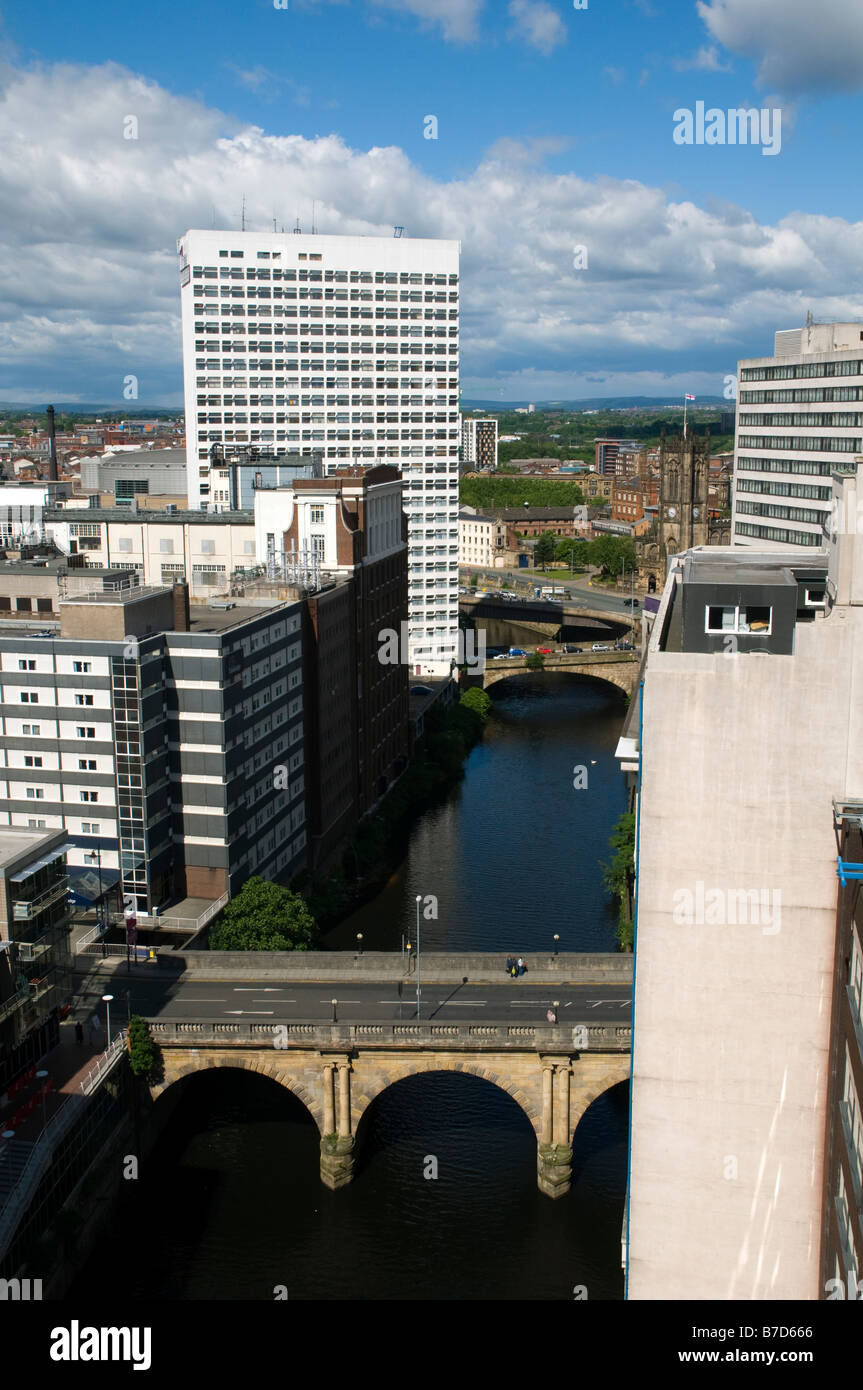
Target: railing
(42,1152)
(32,950)
(104,1063)
(25,908)
(580,1037)
(92,935)
(14,1001)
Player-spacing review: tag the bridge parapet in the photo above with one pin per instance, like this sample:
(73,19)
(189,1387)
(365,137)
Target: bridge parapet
(519,1037)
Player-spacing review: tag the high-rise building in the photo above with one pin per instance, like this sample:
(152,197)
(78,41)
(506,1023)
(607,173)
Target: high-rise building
(479,444)
(799,416)
(342,346)
(747,1139)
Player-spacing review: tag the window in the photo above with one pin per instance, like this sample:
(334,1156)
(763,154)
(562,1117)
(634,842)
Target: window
(82,667)
(36,793)
(29,697)
(30,761)
(816,597)
(36,824)
(83,732)
(166,547)
(86,764)
(24,605)
(26,665)
(83,699)
(124,544)
(31,729)
(752,618)
(317,516)
(89,796)
(90,827)
(319,548)
(208,547)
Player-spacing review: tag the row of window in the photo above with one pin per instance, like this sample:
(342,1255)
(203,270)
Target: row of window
(771,489)
(778,533)
(774,465)
(803,443)
(832,419)
(801,371)
(354,277)
(802,393)
(781,513)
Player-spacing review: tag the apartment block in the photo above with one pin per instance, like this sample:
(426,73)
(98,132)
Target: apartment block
(799,417)
(746,1143)
(479,444)
(148,730)
(345,346)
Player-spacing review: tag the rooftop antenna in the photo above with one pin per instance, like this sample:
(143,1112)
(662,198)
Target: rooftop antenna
(397,231)
(298,229)
(243,220)
(274,224)
(314,205)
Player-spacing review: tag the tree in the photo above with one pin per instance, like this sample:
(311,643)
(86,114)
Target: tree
(478,700)
(535,662)
(143,1053)
(543,551)
(265,916)
(611,553)
(619,874)
(573,552)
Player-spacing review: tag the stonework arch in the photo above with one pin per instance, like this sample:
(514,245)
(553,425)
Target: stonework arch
(615,1069)
(178,1066)
(364,1095)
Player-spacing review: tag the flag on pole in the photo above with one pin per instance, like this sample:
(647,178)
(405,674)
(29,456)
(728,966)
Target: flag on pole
(689,398)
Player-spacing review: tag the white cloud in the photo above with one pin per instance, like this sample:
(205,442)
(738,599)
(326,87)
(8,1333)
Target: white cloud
(458,19)
(798,45)
(537,24)
(88,276)
(705,60)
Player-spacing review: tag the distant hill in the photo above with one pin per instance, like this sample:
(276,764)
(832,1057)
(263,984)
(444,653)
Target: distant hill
(120,408)
(602,403)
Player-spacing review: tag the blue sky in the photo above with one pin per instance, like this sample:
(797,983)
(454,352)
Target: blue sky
(555,128)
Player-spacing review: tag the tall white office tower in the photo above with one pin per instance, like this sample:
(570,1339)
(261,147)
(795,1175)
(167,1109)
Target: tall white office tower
(338,345)
(799,418)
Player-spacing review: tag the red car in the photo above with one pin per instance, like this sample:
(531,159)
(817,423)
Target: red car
(543,651)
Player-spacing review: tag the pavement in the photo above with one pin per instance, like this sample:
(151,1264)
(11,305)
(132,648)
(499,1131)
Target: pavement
(67,1064)
(367,1001)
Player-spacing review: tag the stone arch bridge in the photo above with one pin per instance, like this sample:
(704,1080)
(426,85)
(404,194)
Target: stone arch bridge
(617,668)
(553,1072)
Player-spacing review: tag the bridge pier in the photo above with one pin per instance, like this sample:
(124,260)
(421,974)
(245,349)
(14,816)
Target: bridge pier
(554,1150)
(337,1144)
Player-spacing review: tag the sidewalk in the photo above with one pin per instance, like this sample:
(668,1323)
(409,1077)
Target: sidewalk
(67,1064)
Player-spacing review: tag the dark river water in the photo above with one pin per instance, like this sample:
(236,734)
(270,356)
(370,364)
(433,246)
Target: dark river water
(230,1205)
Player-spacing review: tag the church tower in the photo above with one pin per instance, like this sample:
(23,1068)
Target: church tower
(684,475)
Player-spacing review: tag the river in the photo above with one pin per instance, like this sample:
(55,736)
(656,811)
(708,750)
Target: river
(230,1205)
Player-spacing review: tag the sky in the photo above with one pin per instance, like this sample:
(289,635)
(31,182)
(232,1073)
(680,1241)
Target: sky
(601,256)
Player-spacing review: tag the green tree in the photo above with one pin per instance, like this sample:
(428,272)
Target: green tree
(573,552)
(543,551)
(143,1053)
(477,700)
(611,553)
(265,916)
(535,662)
(619,876)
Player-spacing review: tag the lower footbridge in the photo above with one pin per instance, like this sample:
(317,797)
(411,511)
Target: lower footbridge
(617,668)
(554,1072)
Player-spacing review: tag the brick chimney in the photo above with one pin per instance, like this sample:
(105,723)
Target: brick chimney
(182,621)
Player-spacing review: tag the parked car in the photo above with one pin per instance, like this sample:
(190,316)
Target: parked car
(500,656)
(544,651)
(517,651)
(421,690)
(630,602)
(569,649)
(600,647)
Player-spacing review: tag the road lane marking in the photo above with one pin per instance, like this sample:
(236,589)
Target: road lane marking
(258,989)
(268,1012)
(342,1001)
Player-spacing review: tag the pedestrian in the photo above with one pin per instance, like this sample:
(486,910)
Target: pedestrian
(520,966)
(79,1034)
(514,971)
(552,1016)
(509,965)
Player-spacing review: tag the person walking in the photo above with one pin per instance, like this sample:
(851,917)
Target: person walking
(508,966)
(521,966)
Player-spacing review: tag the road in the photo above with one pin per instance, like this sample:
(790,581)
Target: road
(578,591)
(511,1001)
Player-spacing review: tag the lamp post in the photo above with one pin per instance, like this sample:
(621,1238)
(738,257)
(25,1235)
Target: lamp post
(360,941)
(419,999)
(334,1003)
(106,1000)
(556,940)
(555,1005)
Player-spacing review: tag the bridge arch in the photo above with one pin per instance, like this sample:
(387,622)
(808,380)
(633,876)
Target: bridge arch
(617,1071)
(621,675)
(403,1069)
(177,1068)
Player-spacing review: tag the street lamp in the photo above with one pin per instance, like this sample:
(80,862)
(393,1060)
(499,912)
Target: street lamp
(360,941)
(555,1005)
(334,1002)
(106,1000)
(556,939)
(419,900)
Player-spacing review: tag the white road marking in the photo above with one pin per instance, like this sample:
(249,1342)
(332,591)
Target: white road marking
(258,989)
(268,1012)
(340,1001)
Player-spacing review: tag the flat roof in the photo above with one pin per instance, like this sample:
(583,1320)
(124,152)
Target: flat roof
(706,573)
(16,841)
(150,514)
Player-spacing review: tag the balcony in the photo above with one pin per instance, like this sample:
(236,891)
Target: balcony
(24,911)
